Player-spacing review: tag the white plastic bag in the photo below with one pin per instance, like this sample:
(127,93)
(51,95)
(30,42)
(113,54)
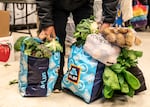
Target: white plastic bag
(101,50)
(98,10)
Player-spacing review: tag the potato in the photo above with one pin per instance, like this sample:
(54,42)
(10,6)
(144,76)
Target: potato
(130,31)
(111,37)
(120,39)
(114,30)
(137,41)
(123,30)
(129,39)
(106,31)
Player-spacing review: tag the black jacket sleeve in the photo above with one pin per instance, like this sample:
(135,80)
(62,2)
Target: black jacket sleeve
(109,10)
(45,15)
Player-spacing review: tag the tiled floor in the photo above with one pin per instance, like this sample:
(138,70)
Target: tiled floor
(10,96)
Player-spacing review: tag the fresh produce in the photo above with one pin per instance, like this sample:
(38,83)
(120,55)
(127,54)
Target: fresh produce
(85,27)
(108,91)
(129,58)
(117,78)
(30,46)
(4,52)
(120,39)
(17,45)
(42,51)
(54,46)
(123,37)
(37,48)
(123,84)
(110,79)
(111,37)
(131,80)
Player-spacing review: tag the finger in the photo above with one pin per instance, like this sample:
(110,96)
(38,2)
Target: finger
(54,35)
(42,36)
(49,38)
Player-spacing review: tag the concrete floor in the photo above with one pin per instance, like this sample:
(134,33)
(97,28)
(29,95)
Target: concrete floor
(10,96)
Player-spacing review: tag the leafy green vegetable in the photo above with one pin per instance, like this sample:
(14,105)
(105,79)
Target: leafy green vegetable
(30,43)
(110,79)
(128,83)
(117,68)
(28,52)
(36,48)
(131,92)
(131,80)
(39,54)
(17,45)
(84,28)
(54,46)
(128,58)
(108,92)
(123,84)
(42,51)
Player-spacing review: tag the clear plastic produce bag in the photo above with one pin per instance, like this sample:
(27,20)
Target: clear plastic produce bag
(101,50)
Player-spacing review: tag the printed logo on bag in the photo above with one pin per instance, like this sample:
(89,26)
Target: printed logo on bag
(43,81)
(74,74)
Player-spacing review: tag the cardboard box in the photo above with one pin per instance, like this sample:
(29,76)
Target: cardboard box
(6,49)
(4,23)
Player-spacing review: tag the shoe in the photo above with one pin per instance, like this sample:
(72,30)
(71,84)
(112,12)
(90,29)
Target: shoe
(57,91)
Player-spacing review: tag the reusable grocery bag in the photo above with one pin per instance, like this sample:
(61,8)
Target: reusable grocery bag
(84,75)
(38,76)
(139,14)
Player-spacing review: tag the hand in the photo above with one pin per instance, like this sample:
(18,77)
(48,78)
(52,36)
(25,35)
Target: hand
(48,33)
(104,26)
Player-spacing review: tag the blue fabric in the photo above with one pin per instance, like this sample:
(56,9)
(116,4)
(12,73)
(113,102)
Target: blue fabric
(119,20)
(83,78)
(38,76)
(139,18)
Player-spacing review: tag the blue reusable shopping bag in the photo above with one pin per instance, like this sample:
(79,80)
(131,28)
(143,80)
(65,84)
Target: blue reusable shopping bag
(38,76)
(84,75)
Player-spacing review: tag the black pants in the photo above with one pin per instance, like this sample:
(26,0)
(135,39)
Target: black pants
(60,22)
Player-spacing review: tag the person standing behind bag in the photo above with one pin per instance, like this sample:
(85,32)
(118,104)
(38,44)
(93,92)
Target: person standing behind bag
(53,16)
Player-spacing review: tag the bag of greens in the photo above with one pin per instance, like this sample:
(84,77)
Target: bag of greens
(38,70)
